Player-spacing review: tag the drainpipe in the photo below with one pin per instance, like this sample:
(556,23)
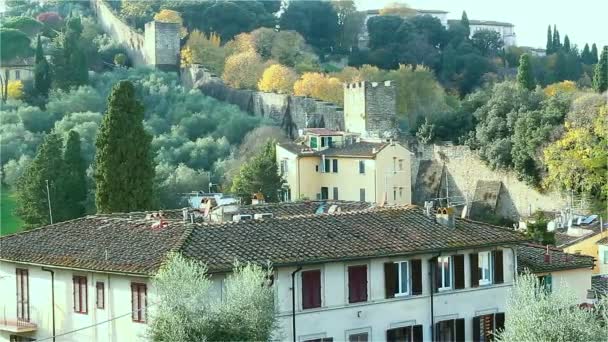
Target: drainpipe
(52,297)
(433,280)
(293,301)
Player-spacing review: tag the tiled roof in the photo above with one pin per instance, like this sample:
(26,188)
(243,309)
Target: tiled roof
(562,239)
(98,243)
(599,284)
(301,208)
(323,131)
(356,149)
(533,257)
(482,22)
(133,246)
(603,241)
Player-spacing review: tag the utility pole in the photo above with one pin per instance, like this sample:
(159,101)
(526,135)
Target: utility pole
(48,197)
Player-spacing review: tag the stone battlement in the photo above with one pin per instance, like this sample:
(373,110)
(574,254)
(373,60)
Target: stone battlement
(367,84)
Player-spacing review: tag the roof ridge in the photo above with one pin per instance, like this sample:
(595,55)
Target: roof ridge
(23,232)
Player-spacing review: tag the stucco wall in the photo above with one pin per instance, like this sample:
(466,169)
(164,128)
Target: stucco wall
(589,246)
(602,262)
(390,176)
(577,280)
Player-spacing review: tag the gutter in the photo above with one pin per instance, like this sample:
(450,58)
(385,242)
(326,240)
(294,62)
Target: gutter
(52,297)
(141,275)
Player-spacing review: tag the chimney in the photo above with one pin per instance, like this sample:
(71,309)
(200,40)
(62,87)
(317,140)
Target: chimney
(445,216)
(185,214)
(428,206)
(547,256)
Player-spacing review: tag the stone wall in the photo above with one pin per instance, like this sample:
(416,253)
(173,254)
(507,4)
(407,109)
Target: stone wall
(381,109)
(162,45)
(291,112)
(128,37)
(465,172)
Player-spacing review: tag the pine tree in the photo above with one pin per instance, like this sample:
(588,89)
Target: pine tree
(465,22)
(42,72)
(259,175)
(600,76)
(31,191)
(549,41)
(566,44)
(586,54)
(557,45)
(75,177)
(594,58)
(524,73)
(124,170)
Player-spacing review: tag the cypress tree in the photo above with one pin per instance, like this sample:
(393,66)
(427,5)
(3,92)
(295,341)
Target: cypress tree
(75,177)
(69,59)
(524,73)
(549,41)
(586,54)
(557,45)
(42,72)
(31,191)
(566,43)
(465,22)
(600,76)
(594,58)
(124,170)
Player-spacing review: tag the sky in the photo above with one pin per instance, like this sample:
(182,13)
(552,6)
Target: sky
(584,21)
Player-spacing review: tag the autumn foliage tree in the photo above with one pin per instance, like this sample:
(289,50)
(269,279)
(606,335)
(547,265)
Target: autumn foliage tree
(204,49)
(174,17)
(243,70)
(277,78)
(320,86)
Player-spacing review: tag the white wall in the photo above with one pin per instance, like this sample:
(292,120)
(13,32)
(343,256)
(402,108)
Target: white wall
(336,316)
(577,280)
(117,302)
(601,261)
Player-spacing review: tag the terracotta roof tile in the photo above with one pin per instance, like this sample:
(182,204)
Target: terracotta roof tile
(533,257)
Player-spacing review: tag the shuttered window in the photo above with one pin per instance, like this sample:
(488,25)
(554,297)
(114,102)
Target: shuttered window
(357,284)
(139,294)
(416,265)
(362,195)
(335,193)
(360,337)
(335,165)
(100,300)
(486,326)
(361,166)
(458,271)
(474,269)
(391,278)
(444,273)
(403,278)
(485,272)
(311,289)
(23,295)
(450,330)
(80,294)
(411,333)
(497,258)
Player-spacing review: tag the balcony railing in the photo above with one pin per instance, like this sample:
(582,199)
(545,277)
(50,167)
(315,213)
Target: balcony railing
(16,325)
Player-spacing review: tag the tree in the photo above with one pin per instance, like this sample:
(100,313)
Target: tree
(316,21)
(398,9)
(42,72)
(69,61)
(32,196)
(488,42)
(557,44)
(594,58)
(549,41)
(229,18)
(464,20)
(260,174)
(536,229)
(319,86)
(350,22)
(277,78)
(124,171)
(15,44)
(382,30)
(174,17)
(566,44)
(535,313)
(75,183)
(243,70)
(586,55)
(525,77)
(600,75)
(136,13)
(27,25)
(14,89)
(189,309)
(206,50)
(561,87)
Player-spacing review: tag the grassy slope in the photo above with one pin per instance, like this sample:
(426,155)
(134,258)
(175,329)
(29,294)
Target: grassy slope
(9,223)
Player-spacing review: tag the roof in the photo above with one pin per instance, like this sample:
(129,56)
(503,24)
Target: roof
(599,284)
(356,149)
(532,257)
(482,22)
(322,131)
(603,241)
(431,11)
(27,62)
(133,246)
(301,207)
(563,239)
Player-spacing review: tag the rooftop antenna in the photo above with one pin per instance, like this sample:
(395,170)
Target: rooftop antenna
(48,198)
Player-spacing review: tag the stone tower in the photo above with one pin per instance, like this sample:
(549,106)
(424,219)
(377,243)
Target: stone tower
(370,109)
(161,43)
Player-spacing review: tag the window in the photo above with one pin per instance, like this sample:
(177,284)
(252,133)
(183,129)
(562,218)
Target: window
(324,193)
(444,273)
(313,142)
(359,337)
(100,301)
(17,74)
(362,195)
(311,289)
(394,194)
(283,166)
(326,142)
(394,164)
(403,278)
(80,294)
(362,166)
(323,339)
(405,334)
(485,326)
(335,193)
(326,163)
(450,330)
(484,262)
(138,302)
(23,295)
(323,141)
(547,282)
(357,284)
(400,192)
(400,164)
(335,165)
(606,257)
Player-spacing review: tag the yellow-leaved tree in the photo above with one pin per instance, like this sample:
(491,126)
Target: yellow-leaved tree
(205,50)
(171,16)
(277,78)
(243,70)
(397,8)
(14,89)
(320,86)
(560,87)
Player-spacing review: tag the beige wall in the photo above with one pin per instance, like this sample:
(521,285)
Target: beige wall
(117,302)
(589,246)
(602,262)
(577,280)
(25,73)
(354,107)
(391,179)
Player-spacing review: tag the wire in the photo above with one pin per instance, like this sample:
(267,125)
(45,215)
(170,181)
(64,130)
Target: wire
(94,325)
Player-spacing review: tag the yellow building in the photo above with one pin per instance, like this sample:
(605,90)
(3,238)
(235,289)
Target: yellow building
(583,240)
(326,164)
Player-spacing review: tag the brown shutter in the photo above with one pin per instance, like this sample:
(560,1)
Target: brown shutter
(390,335)
(416,276)
(498,267)
(476,329)
(459,271)
(433,273)
(357,284)
(460,330)
(500,321)
(311,289)
(474,258)
(417,333)
(390,279)
(437,275)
